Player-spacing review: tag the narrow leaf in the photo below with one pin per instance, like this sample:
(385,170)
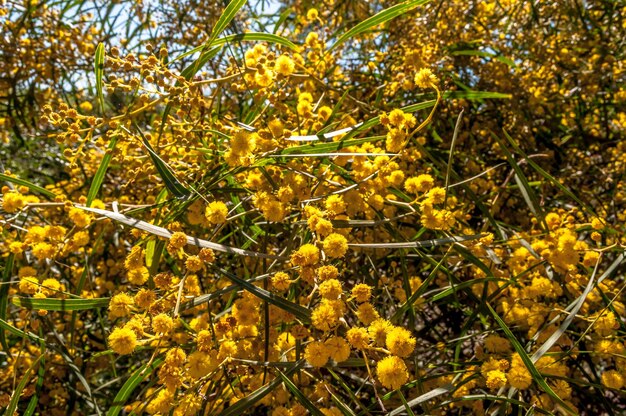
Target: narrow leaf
(419,244)
(173,185)
(163,232)
(98,178)
(377,19)
(244,405)
(27,184)
(130,385)
(536,375)
(15,397)
(61,304)
(4,325)
(299,311)
(4,296)
(98,67)
(304,401)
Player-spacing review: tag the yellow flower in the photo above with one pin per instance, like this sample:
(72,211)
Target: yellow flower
(392,372)
(162,324)
(425,78)
(366,313)
(194,264)
(79,217)
(335,245)
(378,331)
(178,240)
(330,289)
(29,285)
(284,66)
(421,183)
(281,281)
(202,363)
(138,276)
(338,348)
(326,316)
(216,212)
(400,342)
(307,255)
(317,354)
(362,292)
(123,340)
(358,337)
(495,379)
(312,14)
(613,379)
(86,107)
(119,305)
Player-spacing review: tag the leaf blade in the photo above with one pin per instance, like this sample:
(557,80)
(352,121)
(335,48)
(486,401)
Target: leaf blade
(379,18)
(98,67)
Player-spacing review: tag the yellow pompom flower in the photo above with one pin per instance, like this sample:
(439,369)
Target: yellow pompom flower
(79,217)
(162,324)
(400,342)
(281,281)
(284,65)
(330,289)
(216,212)
(421,183)
(362,292)
(138,276)
(338,348)
(358,337)
(495,379)
(392,372)
(201,363)
(50,287)
(120,305)
(123,340)
(425,78)
(378,331)
(335,245)
(178,240)
(613,379)
(326,316)
(307,255)
(317,354)
(86,107)
(29,285)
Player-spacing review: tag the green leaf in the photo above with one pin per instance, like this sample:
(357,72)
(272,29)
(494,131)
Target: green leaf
(61,304)
(322,147)
(130,385)
(225,19)
(377,19)
(239,37)
(243,406)
(485,54)
(173,185)
(547,176)
(27,184)
(18,332)
(420,399)
(98,178)
(536,375)
(41,372)
(4,296)
(522,181)
(98,67)
(207,50)
(299,395)
(299,311)
(15,397)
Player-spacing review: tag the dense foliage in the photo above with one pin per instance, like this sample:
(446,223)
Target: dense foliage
(333,207)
